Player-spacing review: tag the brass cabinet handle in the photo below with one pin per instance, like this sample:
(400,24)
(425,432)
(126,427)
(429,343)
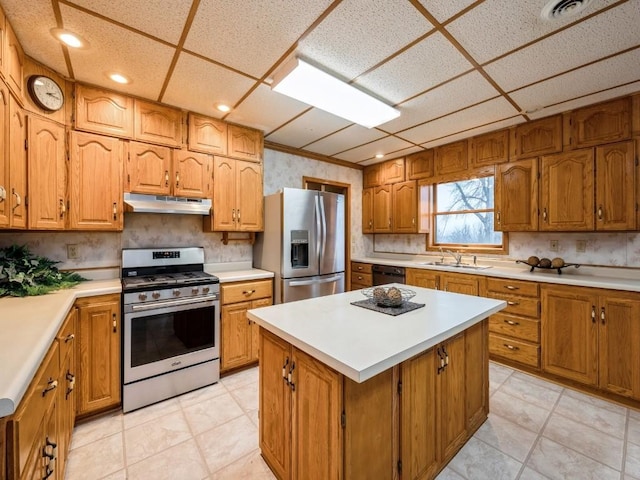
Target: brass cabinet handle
(248,292)
(510,303)
(115,324)
(544,214)
(359,267)
(593,313)
(370,224)
(115,211)
(71,378)
(177,179)
(511,287)
(599,212)
(602,315)
(238,215)
(63,208)
(498,216)
(166,178)
(511,347)
(69,337)
(18,199)
(51,385)
(284,370)
(389,223)
(511,322)
(3,194)
(290,376)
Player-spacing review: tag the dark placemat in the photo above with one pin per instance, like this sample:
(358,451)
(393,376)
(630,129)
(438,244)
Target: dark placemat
(404,308)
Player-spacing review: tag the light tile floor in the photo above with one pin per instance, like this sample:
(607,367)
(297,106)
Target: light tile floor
(536,430)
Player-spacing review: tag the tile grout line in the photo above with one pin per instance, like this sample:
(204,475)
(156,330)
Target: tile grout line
(625,445)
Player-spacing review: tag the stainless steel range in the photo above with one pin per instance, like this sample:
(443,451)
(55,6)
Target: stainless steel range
(171,337)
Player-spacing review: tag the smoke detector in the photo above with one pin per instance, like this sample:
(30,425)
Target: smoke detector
(557,9)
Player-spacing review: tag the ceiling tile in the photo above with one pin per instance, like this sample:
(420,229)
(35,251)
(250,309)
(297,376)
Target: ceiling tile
(387,146)
(113,48)
(358,34)
(344,139)
(421,67)
(32,21)
(250,36)
(466,90)
(498,26)
(199,85)
(395,154)
(492,127)
(593,78)
(602,35)
(266,110)
(164,20)
(487,112)
(445,10)
(308,128)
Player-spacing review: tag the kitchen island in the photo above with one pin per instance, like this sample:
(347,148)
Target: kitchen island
(347,392)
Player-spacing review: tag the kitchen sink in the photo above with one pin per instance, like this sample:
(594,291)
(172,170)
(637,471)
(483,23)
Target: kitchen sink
(456,265)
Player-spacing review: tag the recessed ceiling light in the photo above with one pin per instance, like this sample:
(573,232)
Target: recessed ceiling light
(119,78)
(69,38)
(223,108)
(379,155)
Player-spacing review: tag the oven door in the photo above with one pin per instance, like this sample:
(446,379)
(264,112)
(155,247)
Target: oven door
(167,336)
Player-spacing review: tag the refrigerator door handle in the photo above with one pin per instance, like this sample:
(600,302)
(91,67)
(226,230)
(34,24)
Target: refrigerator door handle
(323,220)
(319,247)
(302,283)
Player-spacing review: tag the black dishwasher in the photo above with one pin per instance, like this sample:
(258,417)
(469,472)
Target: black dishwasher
(383,274)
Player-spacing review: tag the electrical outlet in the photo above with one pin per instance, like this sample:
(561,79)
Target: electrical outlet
(581,246)
(553,245)
(72,251)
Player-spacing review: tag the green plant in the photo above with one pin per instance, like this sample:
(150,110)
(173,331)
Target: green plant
(24,274)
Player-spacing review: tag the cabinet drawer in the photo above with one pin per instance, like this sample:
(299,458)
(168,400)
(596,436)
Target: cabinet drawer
(361,267)
(529,307)
(515,350)
(365,279)
(516,287)
(518,327)
(240,292)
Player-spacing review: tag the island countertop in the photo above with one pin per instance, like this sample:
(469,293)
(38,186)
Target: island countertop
(361,343)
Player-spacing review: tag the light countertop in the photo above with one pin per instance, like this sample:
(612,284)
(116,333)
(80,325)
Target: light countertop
(236,272)
(626,279)
(361,343)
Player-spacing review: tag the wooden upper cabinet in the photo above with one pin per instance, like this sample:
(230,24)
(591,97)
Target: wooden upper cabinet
(382,209)
(193,174)
(15,63)
(367,210)
(567,191)
(451,158)
(47,174)
(149,169)
(250,203)
(516,196)
(103,111)
(17,165)
(245,143)
(5,189)
(490,149)
(3,36)
(393,171)
(405,207)
(419,165)
(207,135)
(155,123)
(95,184)
(539,137)
(602,123)
(224,195)
(615,187)
(635,114)
(371,175)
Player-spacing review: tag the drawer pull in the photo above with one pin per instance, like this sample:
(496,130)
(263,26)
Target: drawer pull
(69,337)
(248,292)
(511,322)
(511,347)
(511,287)
(510,303)
(284,370)
(359,267)
(53,384)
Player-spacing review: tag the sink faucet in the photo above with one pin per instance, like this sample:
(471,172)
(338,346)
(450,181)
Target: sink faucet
(456,255)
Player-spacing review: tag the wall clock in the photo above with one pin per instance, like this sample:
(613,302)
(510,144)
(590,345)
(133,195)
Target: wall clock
(45,92)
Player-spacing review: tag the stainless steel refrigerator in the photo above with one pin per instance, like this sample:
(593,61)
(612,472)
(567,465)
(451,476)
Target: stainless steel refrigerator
(302,243)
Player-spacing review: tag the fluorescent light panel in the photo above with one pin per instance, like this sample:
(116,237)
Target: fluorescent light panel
(311,85)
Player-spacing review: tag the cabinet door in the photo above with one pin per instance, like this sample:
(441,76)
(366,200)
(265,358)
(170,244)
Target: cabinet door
(95,186)
(570,334)
(423,278)
(224,194)
(371,176)
(419,416)
(3,69)
(393,171)
(236,335)
(244,143)
(539,137)
(15,63)
(192,174)
(567,191)
(382,209)
(17,165)
(602,123)
(249,198)
(477,374)
(516,196)
(405,207)
(452,158)
(5,189)
(466,284)
(275,404)
(420,165)
(316,434)
(615,187)
(490,149)
(157,124)
(207,135)
(103,111)
(619,344)
(149,169)
(255,328)
(367,210)
(98,361)
(452,421)
(47,174)
(66,393)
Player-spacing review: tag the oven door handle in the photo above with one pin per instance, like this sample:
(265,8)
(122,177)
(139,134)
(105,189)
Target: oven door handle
(173,303)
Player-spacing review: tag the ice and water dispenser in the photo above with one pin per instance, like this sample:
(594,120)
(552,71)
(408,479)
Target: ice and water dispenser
(299,248)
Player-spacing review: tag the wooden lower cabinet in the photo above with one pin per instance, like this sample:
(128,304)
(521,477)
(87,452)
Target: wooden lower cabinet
(423,278)
(408,421)
(361,275)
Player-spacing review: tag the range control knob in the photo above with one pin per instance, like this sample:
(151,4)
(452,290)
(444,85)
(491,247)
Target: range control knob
(155,295)
(176,292)
(142,296)
(195,290)
(205,289)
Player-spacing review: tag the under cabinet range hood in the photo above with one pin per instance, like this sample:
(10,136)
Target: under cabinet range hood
(136,202)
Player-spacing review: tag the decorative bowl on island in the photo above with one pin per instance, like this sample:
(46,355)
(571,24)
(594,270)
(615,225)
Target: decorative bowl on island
(388,296)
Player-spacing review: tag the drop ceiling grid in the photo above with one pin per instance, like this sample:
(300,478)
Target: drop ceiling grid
(443,11)
(308,128)
(358,34)
(250,36)
(364,152)
(116,49)
(344,139)
(472,132)
(392,154)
